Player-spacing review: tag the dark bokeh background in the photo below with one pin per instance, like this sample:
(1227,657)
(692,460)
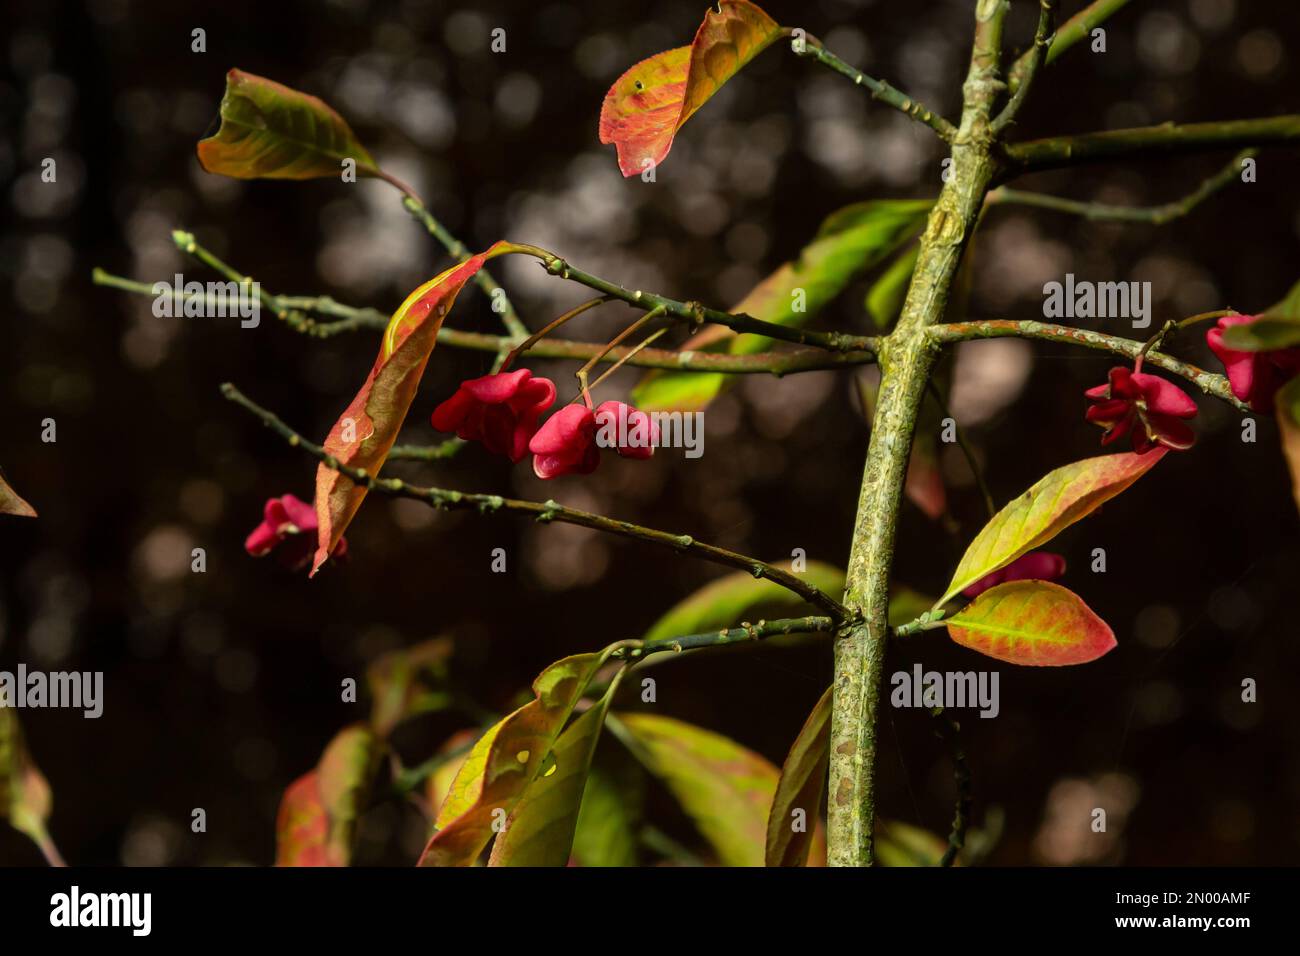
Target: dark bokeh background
(222,687)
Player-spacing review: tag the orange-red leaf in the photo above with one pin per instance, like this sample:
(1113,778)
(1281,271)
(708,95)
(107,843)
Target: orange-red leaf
(1288,421)
(365,432)
(1034,623)
(319,811)
(649,103)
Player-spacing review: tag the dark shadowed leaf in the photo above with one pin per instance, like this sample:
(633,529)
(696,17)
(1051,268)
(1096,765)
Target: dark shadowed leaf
(608,821)
(406,683)
(792,823)
(319,811)
(1288,420)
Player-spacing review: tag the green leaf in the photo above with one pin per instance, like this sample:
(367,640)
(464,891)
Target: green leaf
(1277,328)
(885,297)
(505,761)
(901,844)
(404,684)
(849,242)
(726,601)
(539,832)
(1288,420)
(269,131)
(11,503)
(25,797)
(1034,623)
(724,788)
(319,811)
(1057,501)
(802,784)
(606,834)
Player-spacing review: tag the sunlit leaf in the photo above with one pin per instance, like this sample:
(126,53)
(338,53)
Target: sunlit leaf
(504,762)
(724,788)
(539,831)
(402,684)
(1035,623)
(802,784)
(649,103)
(725,602)
(12,504)
(1057,501)
(25,797)
(1288,420)
(885,297)
(270,131)
(850,241)
(606,834)
(365,432)
(319,811)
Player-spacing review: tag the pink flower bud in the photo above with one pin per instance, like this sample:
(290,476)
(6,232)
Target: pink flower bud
(499,410)
(1034,566)
(566,444)
(1147,406)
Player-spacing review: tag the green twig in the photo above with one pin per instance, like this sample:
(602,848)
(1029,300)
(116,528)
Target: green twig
(1078,27)
(950,731)
(1037,54)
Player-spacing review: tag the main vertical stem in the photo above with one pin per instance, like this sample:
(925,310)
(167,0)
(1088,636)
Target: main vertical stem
(906,358)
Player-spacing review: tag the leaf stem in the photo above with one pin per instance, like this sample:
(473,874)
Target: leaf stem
(1078,27)
(1037,55)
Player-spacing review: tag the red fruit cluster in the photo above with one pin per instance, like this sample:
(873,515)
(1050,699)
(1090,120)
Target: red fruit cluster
(502,411)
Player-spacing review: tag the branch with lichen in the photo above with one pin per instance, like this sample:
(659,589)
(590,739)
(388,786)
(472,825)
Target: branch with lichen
(1208,382)
(881,91)
(1164,139)
(545,512)
(1154,215)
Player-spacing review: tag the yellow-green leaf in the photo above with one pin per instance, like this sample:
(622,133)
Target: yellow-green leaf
(1055,502)
(648,104)
(319,811)
(539,832)
(606,833)
(25,797)
(1035,623)
(849,242)
(505,761)
(726,789)
(901,844)
(725,602)
(270,131)
(1288,420)
(799,791)
(886,295)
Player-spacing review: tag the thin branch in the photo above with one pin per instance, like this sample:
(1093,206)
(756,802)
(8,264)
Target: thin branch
(459,251)
(950,731)
(351,319)
(1037,55)
(1155,215)
(696,313)
(745,633)
(880,90)
(1207,382)
(543,511)
(1078,27)
(1053,153)
(966,450)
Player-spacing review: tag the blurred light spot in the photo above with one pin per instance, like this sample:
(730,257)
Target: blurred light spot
(599,56)
(150,842)
(1158,702)
(467,33)
(987,377)
(164,554)
(1066,837)
(236,670)
(1231,608)
(1259,53)
(1157,625)
(1213,14)
(202,500)
(1166,43)
(517,99)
